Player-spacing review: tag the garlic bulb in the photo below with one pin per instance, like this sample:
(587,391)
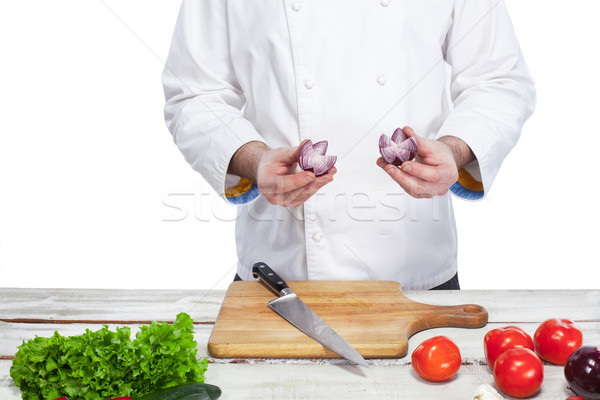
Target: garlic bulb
(486,392)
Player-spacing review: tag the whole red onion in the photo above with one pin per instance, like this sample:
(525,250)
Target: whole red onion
(582,371)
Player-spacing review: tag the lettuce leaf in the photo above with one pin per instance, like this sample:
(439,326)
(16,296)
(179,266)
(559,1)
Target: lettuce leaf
(105,364)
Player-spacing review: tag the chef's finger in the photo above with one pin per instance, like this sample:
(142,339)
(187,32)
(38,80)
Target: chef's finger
(428,173)
(286,183)
(425,146)
(414,186)
(409,132)
(332,171)
(407,182)
(287,155)
(381,162)
(299,196)
(294,153)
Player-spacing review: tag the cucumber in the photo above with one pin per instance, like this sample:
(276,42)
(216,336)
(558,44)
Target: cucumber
(195,396)
(187,391)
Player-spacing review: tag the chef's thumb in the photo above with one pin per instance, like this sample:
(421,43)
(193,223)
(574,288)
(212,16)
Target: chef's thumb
(293,153)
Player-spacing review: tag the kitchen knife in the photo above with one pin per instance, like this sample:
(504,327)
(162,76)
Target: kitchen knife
(290,307)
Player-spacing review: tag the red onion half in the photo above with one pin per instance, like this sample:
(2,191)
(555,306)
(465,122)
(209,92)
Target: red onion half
(313,158)
(399,148)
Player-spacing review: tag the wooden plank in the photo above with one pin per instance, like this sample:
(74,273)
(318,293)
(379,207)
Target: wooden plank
(340,382)
(508,306)
(348,382)
(8,390)
(203,306)
(469,341)
(108,304)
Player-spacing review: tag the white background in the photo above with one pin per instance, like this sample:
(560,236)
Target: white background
(87,164)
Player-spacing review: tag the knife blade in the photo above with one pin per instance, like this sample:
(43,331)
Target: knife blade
(290,307)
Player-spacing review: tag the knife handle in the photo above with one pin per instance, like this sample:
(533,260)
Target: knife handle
(269,277)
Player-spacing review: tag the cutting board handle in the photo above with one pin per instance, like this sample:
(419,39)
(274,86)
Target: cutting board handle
(463,316)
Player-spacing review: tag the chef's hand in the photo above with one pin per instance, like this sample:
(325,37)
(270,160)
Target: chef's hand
(274,171)
(435,167)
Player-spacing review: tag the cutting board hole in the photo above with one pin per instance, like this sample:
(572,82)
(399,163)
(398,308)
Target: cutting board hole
(472,309)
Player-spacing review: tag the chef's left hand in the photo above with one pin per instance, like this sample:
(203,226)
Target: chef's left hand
(434,169)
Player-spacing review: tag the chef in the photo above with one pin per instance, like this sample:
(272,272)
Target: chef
(247,81)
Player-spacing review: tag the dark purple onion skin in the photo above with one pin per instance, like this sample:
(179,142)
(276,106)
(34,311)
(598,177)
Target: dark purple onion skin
(398,162)
(582,372)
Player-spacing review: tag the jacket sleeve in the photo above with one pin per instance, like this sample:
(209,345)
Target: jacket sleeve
(491,89)
(204,99)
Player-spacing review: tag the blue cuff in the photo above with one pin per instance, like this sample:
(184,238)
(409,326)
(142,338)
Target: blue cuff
(245,197)
(465,193)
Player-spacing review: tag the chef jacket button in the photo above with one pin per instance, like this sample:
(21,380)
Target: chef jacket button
(381,80)
(309,84)
(317,236)
(296,6)
(384,3)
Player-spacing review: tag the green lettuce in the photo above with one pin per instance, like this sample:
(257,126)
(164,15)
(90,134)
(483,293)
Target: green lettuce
(105,364)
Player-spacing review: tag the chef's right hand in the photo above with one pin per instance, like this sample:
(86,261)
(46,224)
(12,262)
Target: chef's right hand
(275,173)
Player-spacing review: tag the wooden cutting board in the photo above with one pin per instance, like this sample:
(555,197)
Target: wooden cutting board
(373,316)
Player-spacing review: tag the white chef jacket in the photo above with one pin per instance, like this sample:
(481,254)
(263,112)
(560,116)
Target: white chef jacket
(346,71)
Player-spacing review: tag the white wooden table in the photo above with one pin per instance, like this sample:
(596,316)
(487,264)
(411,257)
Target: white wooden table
(25,313)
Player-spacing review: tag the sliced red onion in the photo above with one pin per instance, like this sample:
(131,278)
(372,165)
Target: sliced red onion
(313,158)
(399,148)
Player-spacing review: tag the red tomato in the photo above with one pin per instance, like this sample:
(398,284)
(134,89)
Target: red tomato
(497,341)
(575,398)
(436,359)
(519,372)
(556,339)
